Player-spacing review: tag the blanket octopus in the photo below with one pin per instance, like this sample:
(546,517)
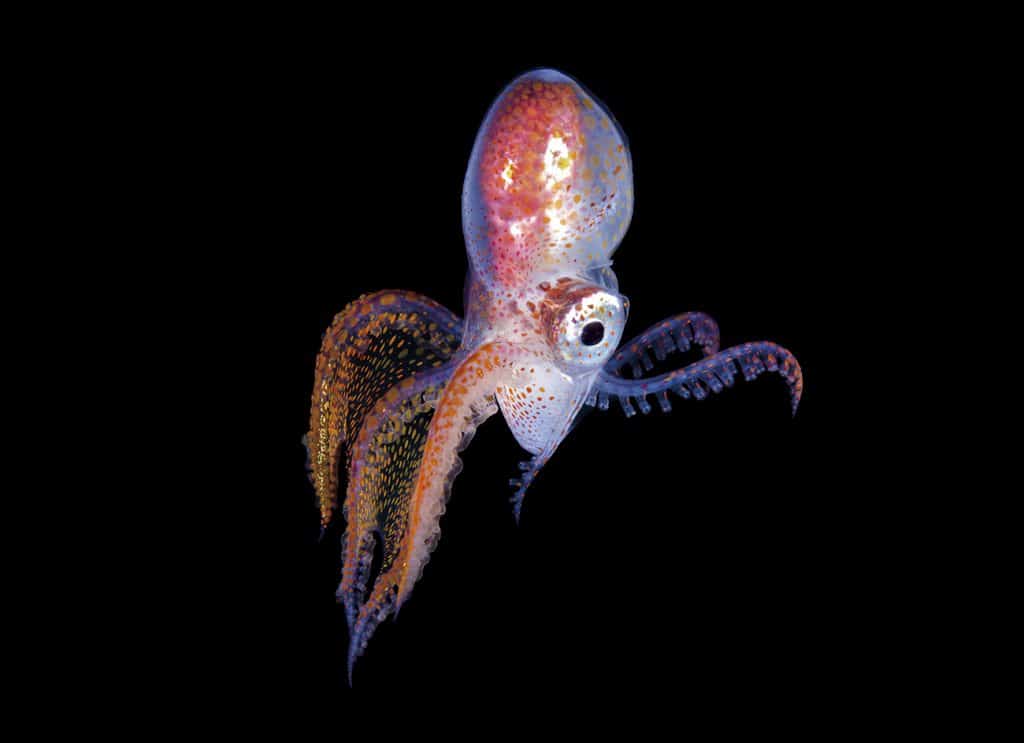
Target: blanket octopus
(401,383)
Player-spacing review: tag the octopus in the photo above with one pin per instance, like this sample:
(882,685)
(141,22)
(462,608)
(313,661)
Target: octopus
(401,383)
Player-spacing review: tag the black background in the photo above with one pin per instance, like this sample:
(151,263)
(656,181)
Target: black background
(720,551)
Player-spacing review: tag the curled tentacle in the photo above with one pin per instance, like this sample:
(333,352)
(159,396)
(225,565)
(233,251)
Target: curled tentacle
(713,373)
(661,339)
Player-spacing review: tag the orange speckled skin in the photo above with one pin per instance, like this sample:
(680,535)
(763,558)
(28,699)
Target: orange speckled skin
(403,384)
(512,177)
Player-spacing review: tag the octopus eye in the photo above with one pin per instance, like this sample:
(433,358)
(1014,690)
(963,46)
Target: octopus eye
(592,334)
(583,322)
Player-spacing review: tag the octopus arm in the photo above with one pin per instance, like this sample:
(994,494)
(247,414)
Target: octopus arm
(669,335)
(713,374)
(439,423)
(373,343)
(383,465)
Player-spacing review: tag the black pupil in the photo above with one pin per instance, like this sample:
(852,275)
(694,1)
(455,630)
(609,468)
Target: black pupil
(592,333)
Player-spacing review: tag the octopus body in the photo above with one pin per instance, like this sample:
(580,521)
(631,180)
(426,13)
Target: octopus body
(401,383)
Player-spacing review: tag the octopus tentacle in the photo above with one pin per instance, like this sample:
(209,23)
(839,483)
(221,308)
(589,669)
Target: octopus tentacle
(671,334)
(529,468)
(384,460)
(373,343)
(466,401)
(713,373)
(546,403)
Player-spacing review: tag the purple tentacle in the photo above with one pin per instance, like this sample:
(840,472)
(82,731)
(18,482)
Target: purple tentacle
(713,373)
(671,334)
(372,613)
(530,470)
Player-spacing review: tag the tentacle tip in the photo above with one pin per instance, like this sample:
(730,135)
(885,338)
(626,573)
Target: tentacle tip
(517,498)
(627,408)
(353,656)
(517,505)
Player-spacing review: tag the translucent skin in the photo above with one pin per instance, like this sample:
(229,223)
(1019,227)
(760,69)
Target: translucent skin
(549,188)
(547,198)
(402,383)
